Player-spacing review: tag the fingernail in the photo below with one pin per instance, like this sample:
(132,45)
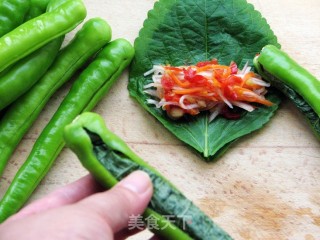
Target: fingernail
(138,182)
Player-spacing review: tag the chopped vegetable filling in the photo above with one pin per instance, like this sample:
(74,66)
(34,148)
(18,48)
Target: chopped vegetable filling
(206,86)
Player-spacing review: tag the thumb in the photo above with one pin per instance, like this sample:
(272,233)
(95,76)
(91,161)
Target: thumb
(128,198)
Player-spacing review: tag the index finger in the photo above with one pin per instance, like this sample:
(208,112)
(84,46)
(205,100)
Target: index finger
(68,194)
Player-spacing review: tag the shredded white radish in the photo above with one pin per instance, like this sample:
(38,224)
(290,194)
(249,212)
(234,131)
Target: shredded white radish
(249,94)
(215,111)
(190,106)
(224,99)
(248,69)
(244,69)
(244,106)
(163,103)
(150,85)
(156,79)
(261,91)
(154,102)
(260,82)
(157,69)
(151,92)
(149,72)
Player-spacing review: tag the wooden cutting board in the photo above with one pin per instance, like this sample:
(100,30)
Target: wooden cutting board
(265,187)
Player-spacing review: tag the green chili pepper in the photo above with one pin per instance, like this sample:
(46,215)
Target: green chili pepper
(109,159)
(38,31)
(286,70)
(12,13)
(40,8)
(91,85)
(37,8)
(20,115)
(300,86)
(23,74)
(27,72)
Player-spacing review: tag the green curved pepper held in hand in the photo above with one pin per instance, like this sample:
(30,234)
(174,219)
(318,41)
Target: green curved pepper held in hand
(21,114)
(109,159)
(12,14)
(88,89)
(38,31)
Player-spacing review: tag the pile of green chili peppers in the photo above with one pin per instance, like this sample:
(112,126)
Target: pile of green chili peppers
(34,65)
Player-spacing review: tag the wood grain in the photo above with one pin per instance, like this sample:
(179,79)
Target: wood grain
(266,186)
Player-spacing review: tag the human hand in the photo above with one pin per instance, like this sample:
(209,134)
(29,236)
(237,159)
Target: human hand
(81,210)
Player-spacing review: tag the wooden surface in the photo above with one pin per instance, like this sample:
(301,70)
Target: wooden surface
(267,186)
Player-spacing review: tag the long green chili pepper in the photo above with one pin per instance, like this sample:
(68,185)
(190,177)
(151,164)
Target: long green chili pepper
(37,8)
(12,14)
(21,114)
(38,31)
(26,72)
(109,159)
(91,85)
(299,85)
(287,71)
